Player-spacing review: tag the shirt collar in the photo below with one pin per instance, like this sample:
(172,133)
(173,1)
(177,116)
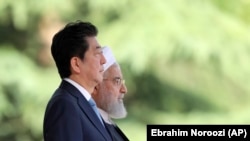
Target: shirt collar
(105,116)
(83,91)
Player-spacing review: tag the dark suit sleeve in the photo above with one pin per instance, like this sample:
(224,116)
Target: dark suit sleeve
(63,122)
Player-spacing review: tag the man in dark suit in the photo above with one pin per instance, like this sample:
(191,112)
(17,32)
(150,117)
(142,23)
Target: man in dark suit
(109,95)
(79,60)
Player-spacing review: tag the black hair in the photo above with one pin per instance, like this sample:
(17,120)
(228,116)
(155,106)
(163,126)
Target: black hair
(71,42)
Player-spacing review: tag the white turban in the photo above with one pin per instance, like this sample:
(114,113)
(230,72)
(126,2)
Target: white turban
(110,59)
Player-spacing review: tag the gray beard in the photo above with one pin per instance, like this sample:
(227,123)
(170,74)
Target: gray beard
(117,110)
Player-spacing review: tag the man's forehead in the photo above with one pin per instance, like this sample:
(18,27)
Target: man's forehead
(114,71)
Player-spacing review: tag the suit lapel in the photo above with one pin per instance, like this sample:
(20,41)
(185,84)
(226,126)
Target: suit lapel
(86,108)
(115,131)
(121,133)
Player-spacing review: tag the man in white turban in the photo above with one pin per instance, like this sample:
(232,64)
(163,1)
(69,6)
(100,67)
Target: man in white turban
(109,95)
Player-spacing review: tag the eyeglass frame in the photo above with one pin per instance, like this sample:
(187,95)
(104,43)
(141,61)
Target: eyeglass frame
(118,81)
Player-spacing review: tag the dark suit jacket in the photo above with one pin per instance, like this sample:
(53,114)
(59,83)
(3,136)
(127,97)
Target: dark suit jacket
(69,117)
(116,132)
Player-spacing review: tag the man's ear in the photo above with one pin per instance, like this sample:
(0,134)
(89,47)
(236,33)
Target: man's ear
(74,63)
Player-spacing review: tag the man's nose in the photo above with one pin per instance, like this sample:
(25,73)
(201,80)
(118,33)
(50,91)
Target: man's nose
(103,60)
(124,88)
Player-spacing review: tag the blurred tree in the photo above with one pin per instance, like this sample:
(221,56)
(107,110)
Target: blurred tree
(177,56)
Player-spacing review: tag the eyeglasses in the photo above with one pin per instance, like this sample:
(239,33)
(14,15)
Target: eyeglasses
(117,81)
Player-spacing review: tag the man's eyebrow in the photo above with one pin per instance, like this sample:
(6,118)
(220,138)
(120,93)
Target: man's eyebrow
(99,48)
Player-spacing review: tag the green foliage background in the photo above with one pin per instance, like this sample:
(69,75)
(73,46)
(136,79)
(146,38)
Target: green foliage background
(184,61)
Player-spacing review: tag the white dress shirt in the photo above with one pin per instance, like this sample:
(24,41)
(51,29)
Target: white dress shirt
(83,91)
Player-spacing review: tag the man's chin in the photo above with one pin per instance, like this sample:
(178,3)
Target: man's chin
(121,113)
(119,116)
